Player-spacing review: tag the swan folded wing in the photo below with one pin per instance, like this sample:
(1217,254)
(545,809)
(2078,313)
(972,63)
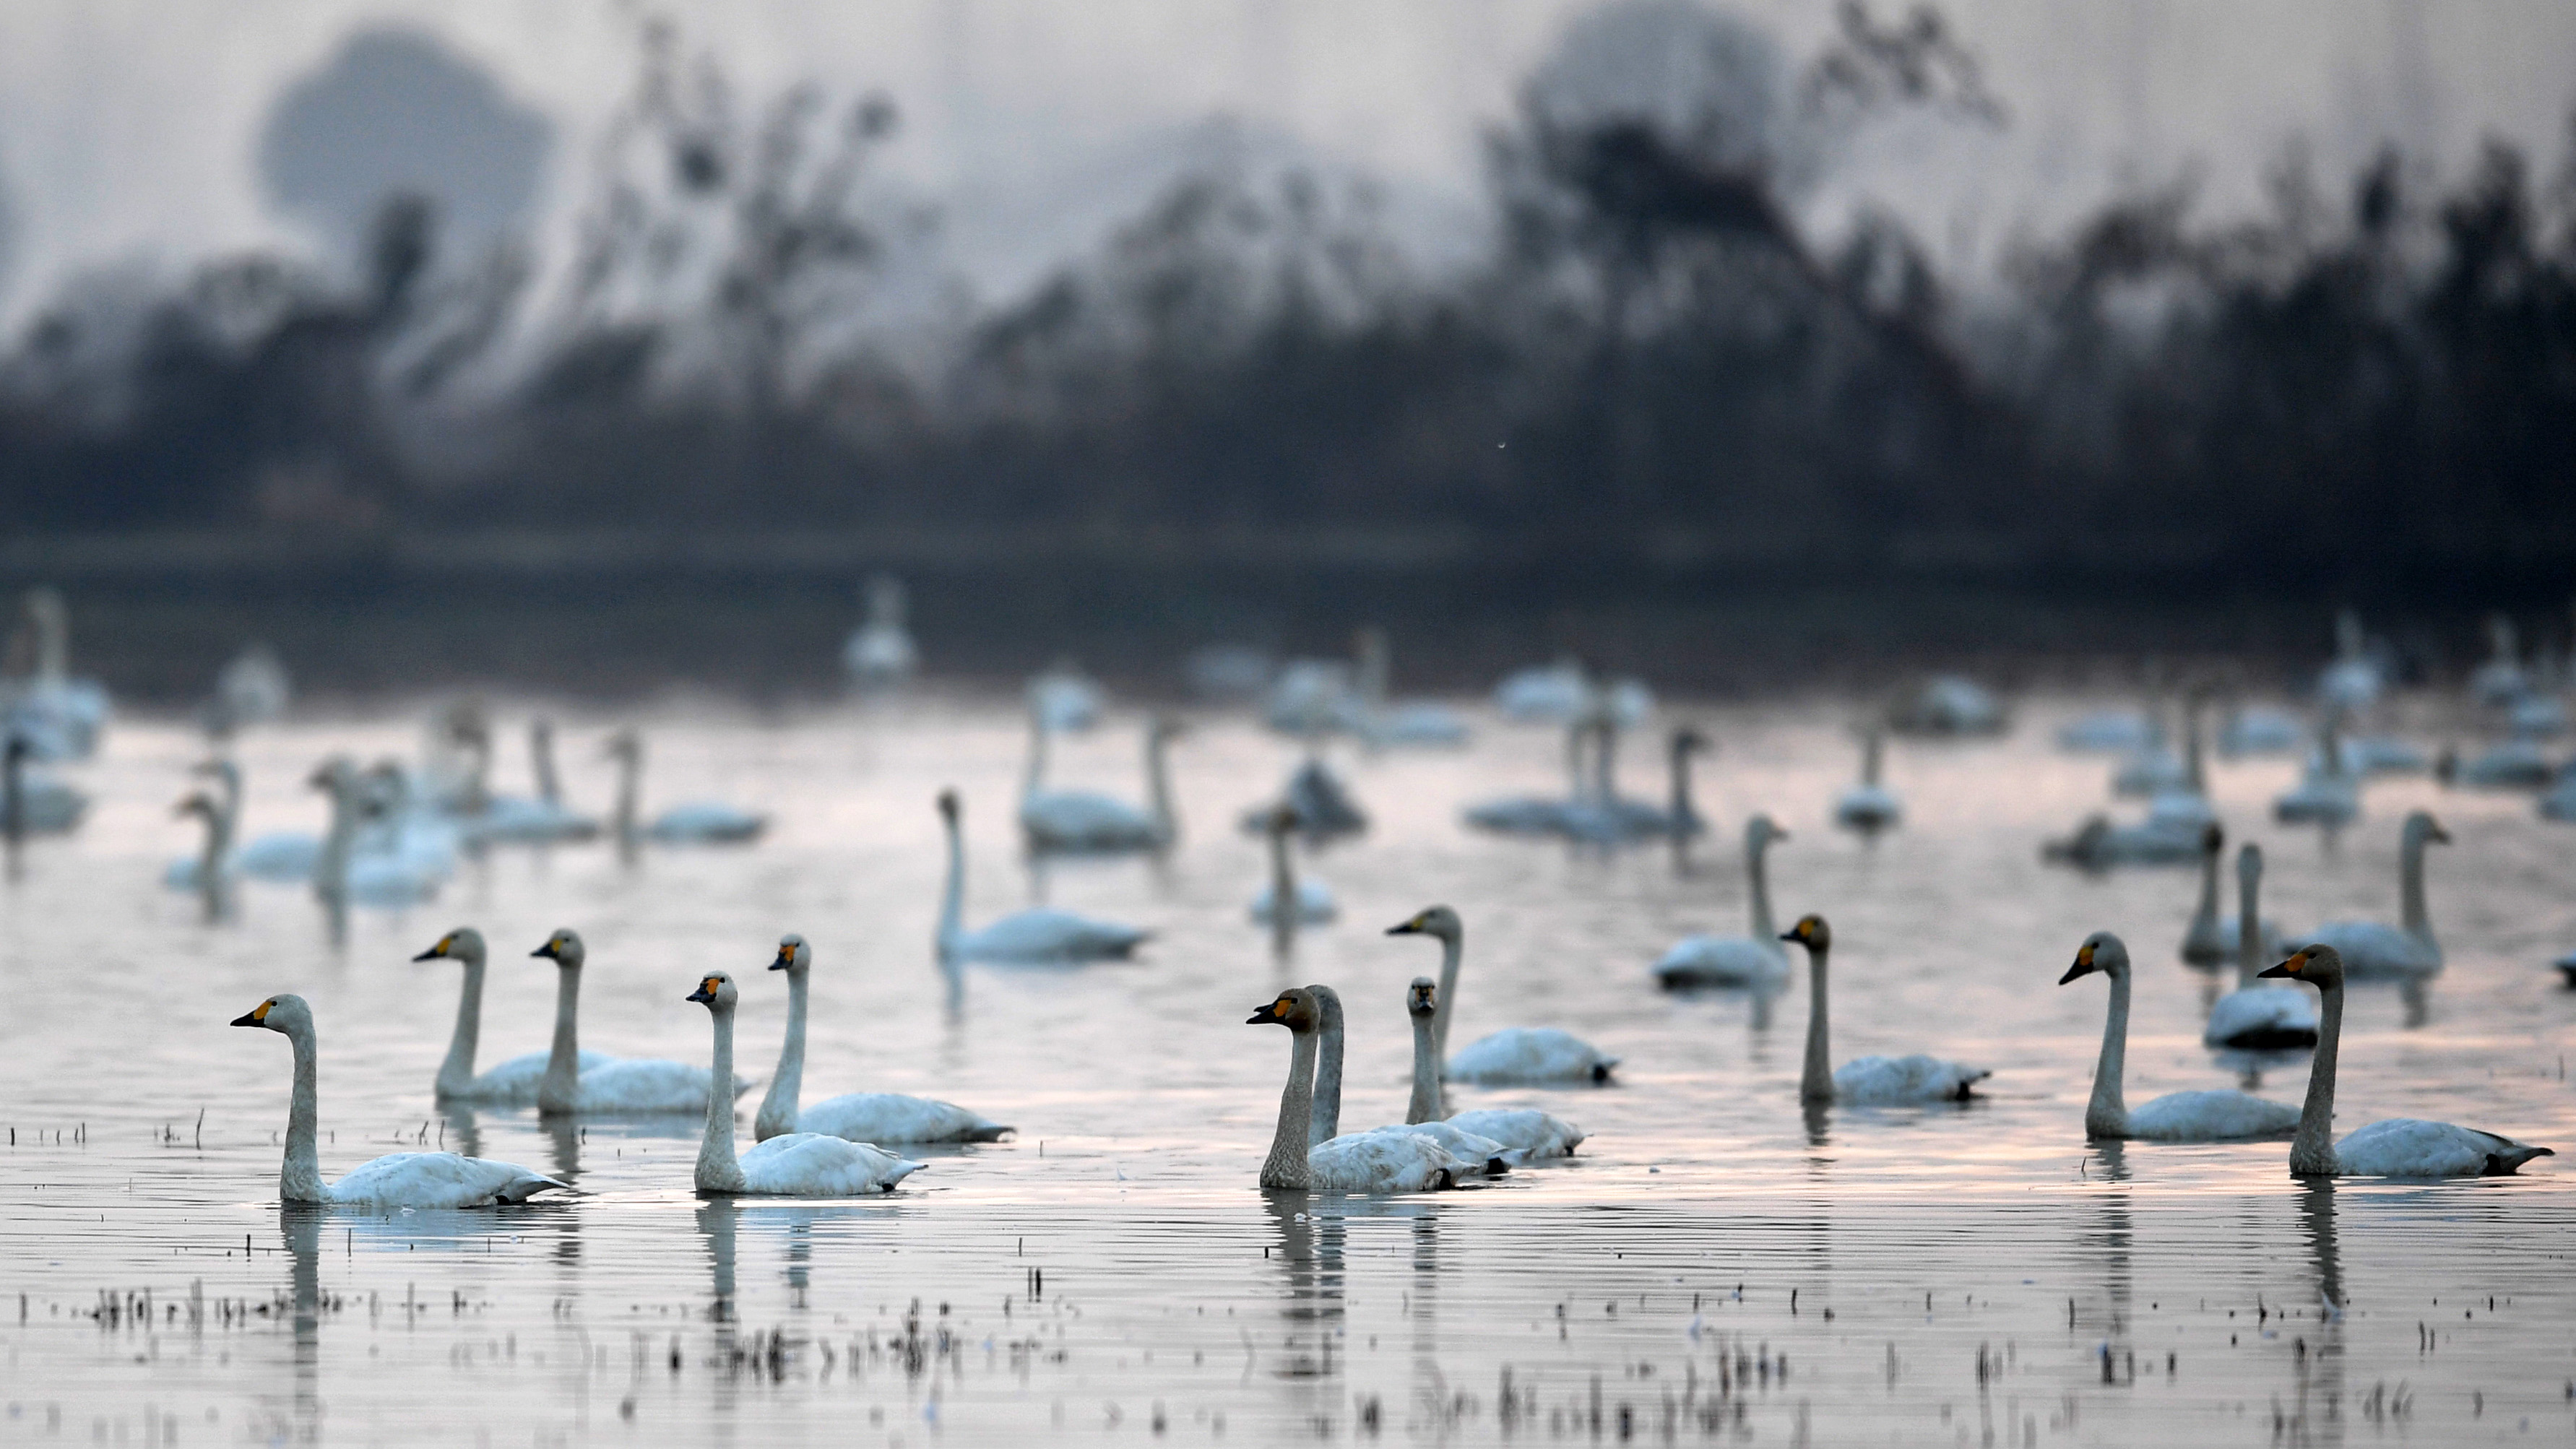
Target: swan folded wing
(516,1079)
(438,1180)
(1523,816)
(1045,934)
(1888,1081)
(2262,1017)
(2216,1116)
(707,821)
(892,1117)
(1867,805)
(2376,949)
(645,1084)
(2411,1147)
(1487,1155)
(1721,961)
(1081,818)
(810,1164)
(1525,1129)
(281,857)
(1531,1054)
(1384,1162)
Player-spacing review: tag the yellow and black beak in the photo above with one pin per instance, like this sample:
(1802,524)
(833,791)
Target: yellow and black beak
(548,951)
(1409,928)
(434,952)
(1274,1012)
(786,959)
(706,991)
(256,1016)
(2297,963)
(2083,965)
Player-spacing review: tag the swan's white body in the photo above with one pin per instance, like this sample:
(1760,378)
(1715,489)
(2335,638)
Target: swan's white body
(581,1082)
(2217,1116)
(543,819)
(1531,1054)
(880,653)
(2100,845)
(1065,700)
(1086,821)
(2517,764)
(798,1164)
(1526,1130)
(1038,937)
(703,822)
(857,1116)
(59,717)
(344,877)
(2109,731)
(2252,731)
(1324,805)
(401,1179)
(1757,959)
(1868,807)
(281,856)
(2257,1017)
(1866,1081)
(1949,705)
(1523,1134)
(1363,1162)
(1561,693)
(1541,814)
(2374,950)
(1480,1154)
(1310,901)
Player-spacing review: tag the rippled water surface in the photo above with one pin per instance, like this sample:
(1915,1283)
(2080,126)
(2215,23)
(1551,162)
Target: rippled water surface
(1713,1266)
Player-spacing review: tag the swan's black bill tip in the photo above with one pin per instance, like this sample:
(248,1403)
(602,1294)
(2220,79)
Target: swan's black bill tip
(248,1018)
(429,955)
(2080,968)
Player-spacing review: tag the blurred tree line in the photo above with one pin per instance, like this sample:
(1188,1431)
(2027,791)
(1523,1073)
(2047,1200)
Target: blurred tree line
(2379,373)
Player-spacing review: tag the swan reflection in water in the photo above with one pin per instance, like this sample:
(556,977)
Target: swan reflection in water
(2317,1360)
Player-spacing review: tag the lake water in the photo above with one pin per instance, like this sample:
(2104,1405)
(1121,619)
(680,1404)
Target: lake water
(1715,1266)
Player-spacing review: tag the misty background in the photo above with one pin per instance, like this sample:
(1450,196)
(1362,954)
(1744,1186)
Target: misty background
(593,344)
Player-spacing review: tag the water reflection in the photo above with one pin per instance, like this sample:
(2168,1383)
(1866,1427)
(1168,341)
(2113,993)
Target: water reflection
(2317,1347)
(299,1230)
(1308,1247)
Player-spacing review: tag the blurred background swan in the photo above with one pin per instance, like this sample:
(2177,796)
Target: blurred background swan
(60,717)
(880,654)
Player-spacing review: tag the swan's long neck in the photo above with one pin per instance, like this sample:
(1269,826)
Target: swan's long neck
(2204,917)
(1757,868)
(718,1169)
(2312,1150)
(778,1109)
(556,1091)
(1816,1079)
(1158,787)
(210,855)
(456,1074)
(952,893)
(1605,763)
(1326,1122)
(228,775)
(549,785)
(1034,775)
(300,1179)
(1425,1106)
(2193,770)
(630,784)
(331,871)
(1283,888)
(2106,1115)
(1574,781)
(2410,890)
(1452,946)
(1869,758)
(2249,921)
(53,645)
(1683,811)
(1286,1165)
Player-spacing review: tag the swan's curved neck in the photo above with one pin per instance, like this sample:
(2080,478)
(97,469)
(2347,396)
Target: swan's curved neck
(331,871)
(2193,769)
(1425,1106)
(2249,923)
(1452,946)
(1816,1078)
(952,893)
(718,1169)
(1326,1122)
(1034,776)
(456,1074)
(2204,917)
(1757,870)
(300,1178)
(2106,1115)
(2312,1150)
(1158,787)
(1283,889)
(210,855)
(2410,890)
(778,1108)
(1286,1165)
(562,1081)
(53,645)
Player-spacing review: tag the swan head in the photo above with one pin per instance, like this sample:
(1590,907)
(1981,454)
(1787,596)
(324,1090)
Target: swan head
(948,806)
(197,803)
(793,954)
(2319,965)
(224,770)
(1761,831)
(335,773)
(1810,932)
(715,991)
(1437,921)
(625,744)
(2422,828)
(2249,861)
(278,1013)
(1283,820)
(1689,741)
(1422,998)
(462,944)
(2101,952)
(1295,1008)
(2212,840)
(564,948)
(1164,728)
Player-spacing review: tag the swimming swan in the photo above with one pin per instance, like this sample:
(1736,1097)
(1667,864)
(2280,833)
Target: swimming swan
(701,822)
(1526,1130)
(513,1082)
(1039,936)
(574,1083)
(1541,814)
(545,819)
(1866,1081)
(1088,821)
(207,869)
(1313,900)
(2400,1147)
(398,1179)
(281,855)
(1365,1162)
(1869,807)
(2210,939)
(857,1116)
(1488,1156)
(880,652)
(2371,950)
(2223,1116)
(2256,1017)
(799,1164)
(1515,1054)
(1755,960)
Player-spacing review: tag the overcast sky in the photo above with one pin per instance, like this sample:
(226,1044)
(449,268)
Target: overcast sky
(130,130)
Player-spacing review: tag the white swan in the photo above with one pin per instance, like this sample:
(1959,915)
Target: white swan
(1563,692)
(1363,1162)
(1039,936)
(2500,680)
(342,876)
(2098,844)
(2221,1116)
(703,822)
(60,717)
(1086,821)
(574,1082)
(1526,1130)
(1515,1054)
(545,819)
(212,863)
(2370,950)
(32,803)
(2109,731)
(2353,680)
(1310,901)
(858,1116)
(2184,804)
(1866,1081)
(1064,698)
(2211,939)
(1324,805)
(2515,764)
(400,1179)
(2401,1147)
(284,856)
(799,1164)
(1757,959)
(880,653)
(1487,1156)
(1384,722)
(1610,816)
(2255,1017)
(1949,705)
(251,689)
(2328,792)
(513,1082)
(1540,814)
(2251,730)
(1869,807)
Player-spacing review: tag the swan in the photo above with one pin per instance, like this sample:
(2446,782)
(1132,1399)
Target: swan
(1609,816)
(2353,680)
(1531,1133)
(1040,936)
(1866,1081)
(2150,770)
(1869,807)
(397,823)
(1540,814)
(1752,960)
(2211,938)
(1325,809)
(32,803)
(1949,705)
(513,1082)
(342,877)
(1312,697)
(60,717)
(857,1116)
(2255,1017)
(2184,804)
(1489,1157)
(1416,722)
(1515,1054)
(574,1082)
(2098,844)
(2371,949)
(1229,672)
(2109,731)
(2515,764)
(1563,692)
(212,863)
(2401,1147)
(252,689)
(545,819)
(799,1164)
(2327,792)
(1087,821)
(283,856)
(2221,1116)
(697,823)
(2249,730)
(2500,680)
(880,654)
(1362,1162)
(1311,901)
(2537,717)
(398,1179)
(1065,700)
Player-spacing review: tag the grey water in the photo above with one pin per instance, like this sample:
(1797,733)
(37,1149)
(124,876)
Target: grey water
(1713,1266)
